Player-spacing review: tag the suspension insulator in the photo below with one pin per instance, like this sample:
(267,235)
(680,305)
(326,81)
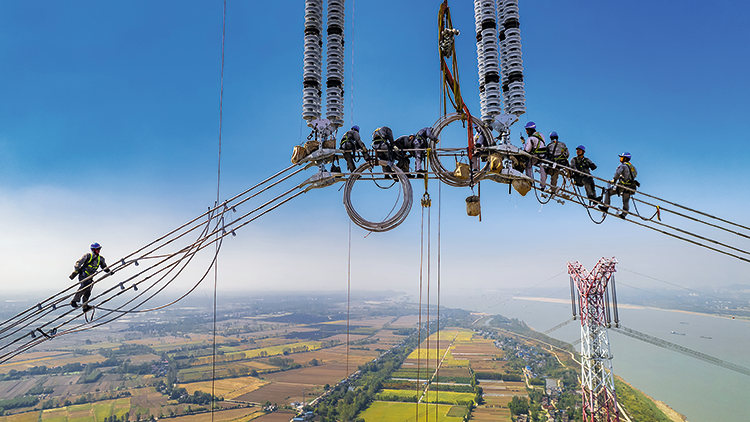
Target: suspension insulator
(511,74)
(480,56)
(335,63)
(493,96)
(313,60)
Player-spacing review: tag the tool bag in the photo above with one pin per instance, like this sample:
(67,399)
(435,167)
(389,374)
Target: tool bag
(298,154)
(463,171)
(329,143)
(496,163)
(521,186)
(473,206)
(311,146)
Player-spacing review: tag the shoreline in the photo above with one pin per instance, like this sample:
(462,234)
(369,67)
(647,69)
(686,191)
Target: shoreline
(631,306)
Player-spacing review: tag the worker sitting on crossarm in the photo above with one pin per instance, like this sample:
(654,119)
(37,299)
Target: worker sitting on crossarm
(382,144)
(350,143)
(84,267)
(402,150)
(422,141)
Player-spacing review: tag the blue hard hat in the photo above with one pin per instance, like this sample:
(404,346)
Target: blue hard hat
(553,135)
(96,246)
(530,125)
(355,127)
(581,147)
(626,155)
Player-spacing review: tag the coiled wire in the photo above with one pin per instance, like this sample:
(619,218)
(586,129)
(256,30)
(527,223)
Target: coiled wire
(388,223)
(447,176)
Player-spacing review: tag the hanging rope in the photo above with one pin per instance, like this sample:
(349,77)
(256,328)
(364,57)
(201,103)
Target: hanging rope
(437,356)
(348,295)
(218,186)
(419,324)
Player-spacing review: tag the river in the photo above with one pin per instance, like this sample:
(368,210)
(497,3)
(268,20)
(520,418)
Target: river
(699,390)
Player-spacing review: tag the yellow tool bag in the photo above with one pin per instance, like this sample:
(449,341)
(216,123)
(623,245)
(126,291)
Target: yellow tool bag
(299,153)
(462,170)
(496,163)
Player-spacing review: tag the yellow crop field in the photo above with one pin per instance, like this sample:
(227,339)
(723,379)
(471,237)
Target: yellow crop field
(406,412)
(227,388)
(21,417)
(254,353)
(423,353)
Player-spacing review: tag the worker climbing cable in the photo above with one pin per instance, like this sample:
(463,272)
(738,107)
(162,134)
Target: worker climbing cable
(85,268)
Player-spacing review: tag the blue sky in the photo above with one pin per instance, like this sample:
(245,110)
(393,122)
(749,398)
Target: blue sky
(109,117)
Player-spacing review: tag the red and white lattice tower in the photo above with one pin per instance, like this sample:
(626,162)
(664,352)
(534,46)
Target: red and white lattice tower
(597,379)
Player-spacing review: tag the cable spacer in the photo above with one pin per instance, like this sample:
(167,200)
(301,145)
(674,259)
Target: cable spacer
(39,306)
(135,287)
(122,286)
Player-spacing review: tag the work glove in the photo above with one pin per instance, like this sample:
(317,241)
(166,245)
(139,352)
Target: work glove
(73,274)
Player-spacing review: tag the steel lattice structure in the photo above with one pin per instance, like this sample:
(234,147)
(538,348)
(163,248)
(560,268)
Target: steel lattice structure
(597,379)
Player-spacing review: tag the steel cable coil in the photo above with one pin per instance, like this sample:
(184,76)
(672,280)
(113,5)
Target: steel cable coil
(388,223)
(447,176)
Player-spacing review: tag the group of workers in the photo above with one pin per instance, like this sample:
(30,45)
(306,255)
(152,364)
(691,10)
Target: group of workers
(399,151)
(555,156)
(394,151)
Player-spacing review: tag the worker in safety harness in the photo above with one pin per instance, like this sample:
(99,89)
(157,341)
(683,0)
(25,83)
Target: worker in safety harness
(536,147)
(420,144)
(402,150)
(557,152)
(382,144)
(623,184)
(584,165)
(350,143)
(84,267)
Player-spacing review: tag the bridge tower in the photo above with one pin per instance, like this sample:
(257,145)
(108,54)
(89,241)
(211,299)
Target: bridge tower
(589,290)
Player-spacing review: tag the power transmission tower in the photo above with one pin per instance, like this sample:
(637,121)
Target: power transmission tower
(597,379)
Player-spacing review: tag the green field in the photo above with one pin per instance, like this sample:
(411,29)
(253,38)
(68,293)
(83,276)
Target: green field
(448,397)
(403,394)
(406,412)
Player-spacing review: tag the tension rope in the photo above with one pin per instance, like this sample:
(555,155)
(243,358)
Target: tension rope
(218,187)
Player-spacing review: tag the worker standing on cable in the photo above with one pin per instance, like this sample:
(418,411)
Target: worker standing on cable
(420,144)
(350,143)
(584,165)
(535,146)
(623,184)
(557,152)
(85,267)
(382,144)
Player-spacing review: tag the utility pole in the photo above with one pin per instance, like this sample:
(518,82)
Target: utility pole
(589,289)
